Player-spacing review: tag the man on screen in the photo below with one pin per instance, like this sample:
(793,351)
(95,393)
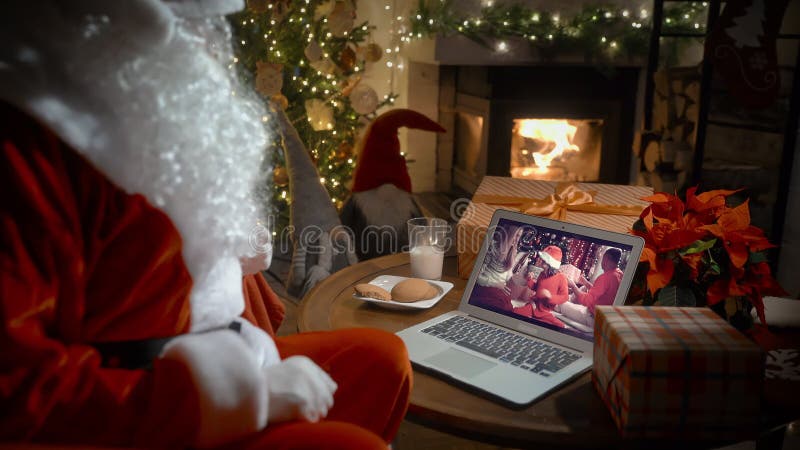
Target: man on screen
(604,289)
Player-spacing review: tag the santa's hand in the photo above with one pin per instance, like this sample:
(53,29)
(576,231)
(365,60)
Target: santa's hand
(297,388)
(545,293)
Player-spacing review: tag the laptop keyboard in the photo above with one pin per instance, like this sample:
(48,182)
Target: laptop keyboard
(521,351)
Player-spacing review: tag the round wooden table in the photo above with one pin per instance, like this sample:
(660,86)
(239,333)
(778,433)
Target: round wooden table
(573,416)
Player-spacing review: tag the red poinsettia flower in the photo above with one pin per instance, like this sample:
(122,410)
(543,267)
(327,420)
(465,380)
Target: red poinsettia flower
(726,287)
(759,282)
(737,235)
(664,207)
(685,240)
(660,239)
(707,201)
(704,208)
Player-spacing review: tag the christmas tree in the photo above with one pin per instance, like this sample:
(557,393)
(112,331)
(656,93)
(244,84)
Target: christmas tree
(307,57)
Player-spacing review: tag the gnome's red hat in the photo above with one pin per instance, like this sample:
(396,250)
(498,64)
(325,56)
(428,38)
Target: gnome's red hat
(379,161)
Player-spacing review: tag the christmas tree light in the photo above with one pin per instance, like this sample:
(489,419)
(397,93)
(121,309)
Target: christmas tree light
(307,57)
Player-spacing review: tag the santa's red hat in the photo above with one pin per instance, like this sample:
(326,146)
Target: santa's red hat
(552,256)
(379,160)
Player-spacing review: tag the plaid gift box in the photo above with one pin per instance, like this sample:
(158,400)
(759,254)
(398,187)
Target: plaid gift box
(677,373)
(607,206)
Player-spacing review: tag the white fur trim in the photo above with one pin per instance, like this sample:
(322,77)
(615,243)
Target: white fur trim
(204,8)
(262,345)
(549,259)
(231,387)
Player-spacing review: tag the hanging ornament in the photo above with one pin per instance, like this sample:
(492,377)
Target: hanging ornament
(341,19)
(320,115)
(280,100)
(324,9)
(364,99)
(280,176)
(313,51)
(347,59)
(744,50)
(350,84)
(325,66)
(258,6)
(269,78)
(345,150)
(373,53)
(280,10)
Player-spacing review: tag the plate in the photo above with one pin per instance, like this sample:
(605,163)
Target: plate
(388,281)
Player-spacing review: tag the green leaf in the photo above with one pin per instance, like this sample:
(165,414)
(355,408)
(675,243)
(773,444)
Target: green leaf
(672,295)
(697,247)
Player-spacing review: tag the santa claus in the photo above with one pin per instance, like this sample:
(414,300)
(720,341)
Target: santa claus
(130,160)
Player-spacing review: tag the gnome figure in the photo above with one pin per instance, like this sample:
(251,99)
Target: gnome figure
(320,245)
(381,201)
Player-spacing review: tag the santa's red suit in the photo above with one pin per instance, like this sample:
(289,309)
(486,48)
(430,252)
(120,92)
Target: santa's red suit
(114,245)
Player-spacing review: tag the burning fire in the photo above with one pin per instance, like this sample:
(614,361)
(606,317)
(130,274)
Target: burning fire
(556,136)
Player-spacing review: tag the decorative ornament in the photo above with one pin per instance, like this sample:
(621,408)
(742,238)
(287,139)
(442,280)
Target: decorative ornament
(373,53)
(347,59)
(345,150)
(320,115)
(280,9)
(269,78)
(313,51)
(258,6)
(350,84)
(364,99)
(325,66)
(324,9)
(341,19)
(280,176)
(744,50)
(280,100)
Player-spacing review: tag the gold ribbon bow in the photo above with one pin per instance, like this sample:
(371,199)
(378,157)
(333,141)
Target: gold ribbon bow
(567,197)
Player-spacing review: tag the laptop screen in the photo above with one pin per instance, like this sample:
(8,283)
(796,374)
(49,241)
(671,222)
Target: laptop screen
(551,278)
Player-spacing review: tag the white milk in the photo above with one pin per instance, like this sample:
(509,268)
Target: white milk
(426,262)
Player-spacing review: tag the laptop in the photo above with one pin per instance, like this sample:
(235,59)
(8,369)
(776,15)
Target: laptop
(517,334)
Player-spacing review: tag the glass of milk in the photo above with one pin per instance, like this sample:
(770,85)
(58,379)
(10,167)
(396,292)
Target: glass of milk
(428,240)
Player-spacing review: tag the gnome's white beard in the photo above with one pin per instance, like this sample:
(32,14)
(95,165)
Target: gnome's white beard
(150,103)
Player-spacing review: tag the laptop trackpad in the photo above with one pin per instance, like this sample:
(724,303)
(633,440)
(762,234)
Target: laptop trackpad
(460,363)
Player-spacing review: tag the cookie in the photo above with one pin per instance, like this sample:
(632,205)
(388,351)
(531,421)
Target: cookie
(413,290)
(372,291)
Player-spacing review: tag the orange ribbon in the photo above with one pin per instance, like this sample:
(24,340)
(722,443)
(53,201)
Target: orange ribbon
(567,197)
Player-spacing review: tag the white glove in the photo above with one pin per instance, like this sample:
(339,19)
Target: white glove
(297,388)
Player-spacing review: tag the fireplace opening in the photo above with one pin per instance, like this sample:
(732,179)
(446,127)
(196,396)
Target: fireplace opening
(556,149)
(496,112)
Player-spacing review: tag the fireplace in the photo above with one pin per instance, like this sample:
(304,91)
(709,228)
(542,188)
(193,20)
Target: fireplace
(556,149)
(557,123)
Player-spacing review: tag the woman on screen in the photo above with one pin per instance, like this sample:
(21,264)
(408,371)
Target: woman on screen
(550,289)
(501,257)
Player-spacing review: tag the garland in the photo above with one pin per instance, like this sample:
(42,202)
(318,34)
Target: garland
(599,32)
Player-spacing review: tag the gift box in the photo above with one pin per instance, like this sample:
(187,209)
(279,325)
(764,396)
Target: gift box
(606,206)
(676,373)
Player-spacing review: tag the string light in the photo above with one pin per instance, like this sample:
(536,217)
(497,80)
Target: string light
(624,32)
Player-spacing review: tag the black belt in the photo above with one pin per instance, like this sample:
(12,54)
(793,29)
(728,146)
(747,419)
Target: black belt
(139,354)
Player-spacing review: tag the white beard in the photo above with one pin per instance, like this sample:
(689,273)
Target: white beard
(138,93)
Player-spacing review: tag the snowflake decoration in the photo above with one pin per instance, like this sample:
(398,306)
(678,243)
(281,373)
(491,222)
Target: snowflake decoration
(784,364)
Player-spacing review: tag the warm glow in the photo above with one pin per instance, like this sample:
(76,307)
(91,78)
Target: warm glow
(557,133)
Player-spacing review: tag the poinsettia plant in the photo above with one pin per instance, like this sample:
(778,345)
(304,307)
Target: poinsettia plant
(702,252)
